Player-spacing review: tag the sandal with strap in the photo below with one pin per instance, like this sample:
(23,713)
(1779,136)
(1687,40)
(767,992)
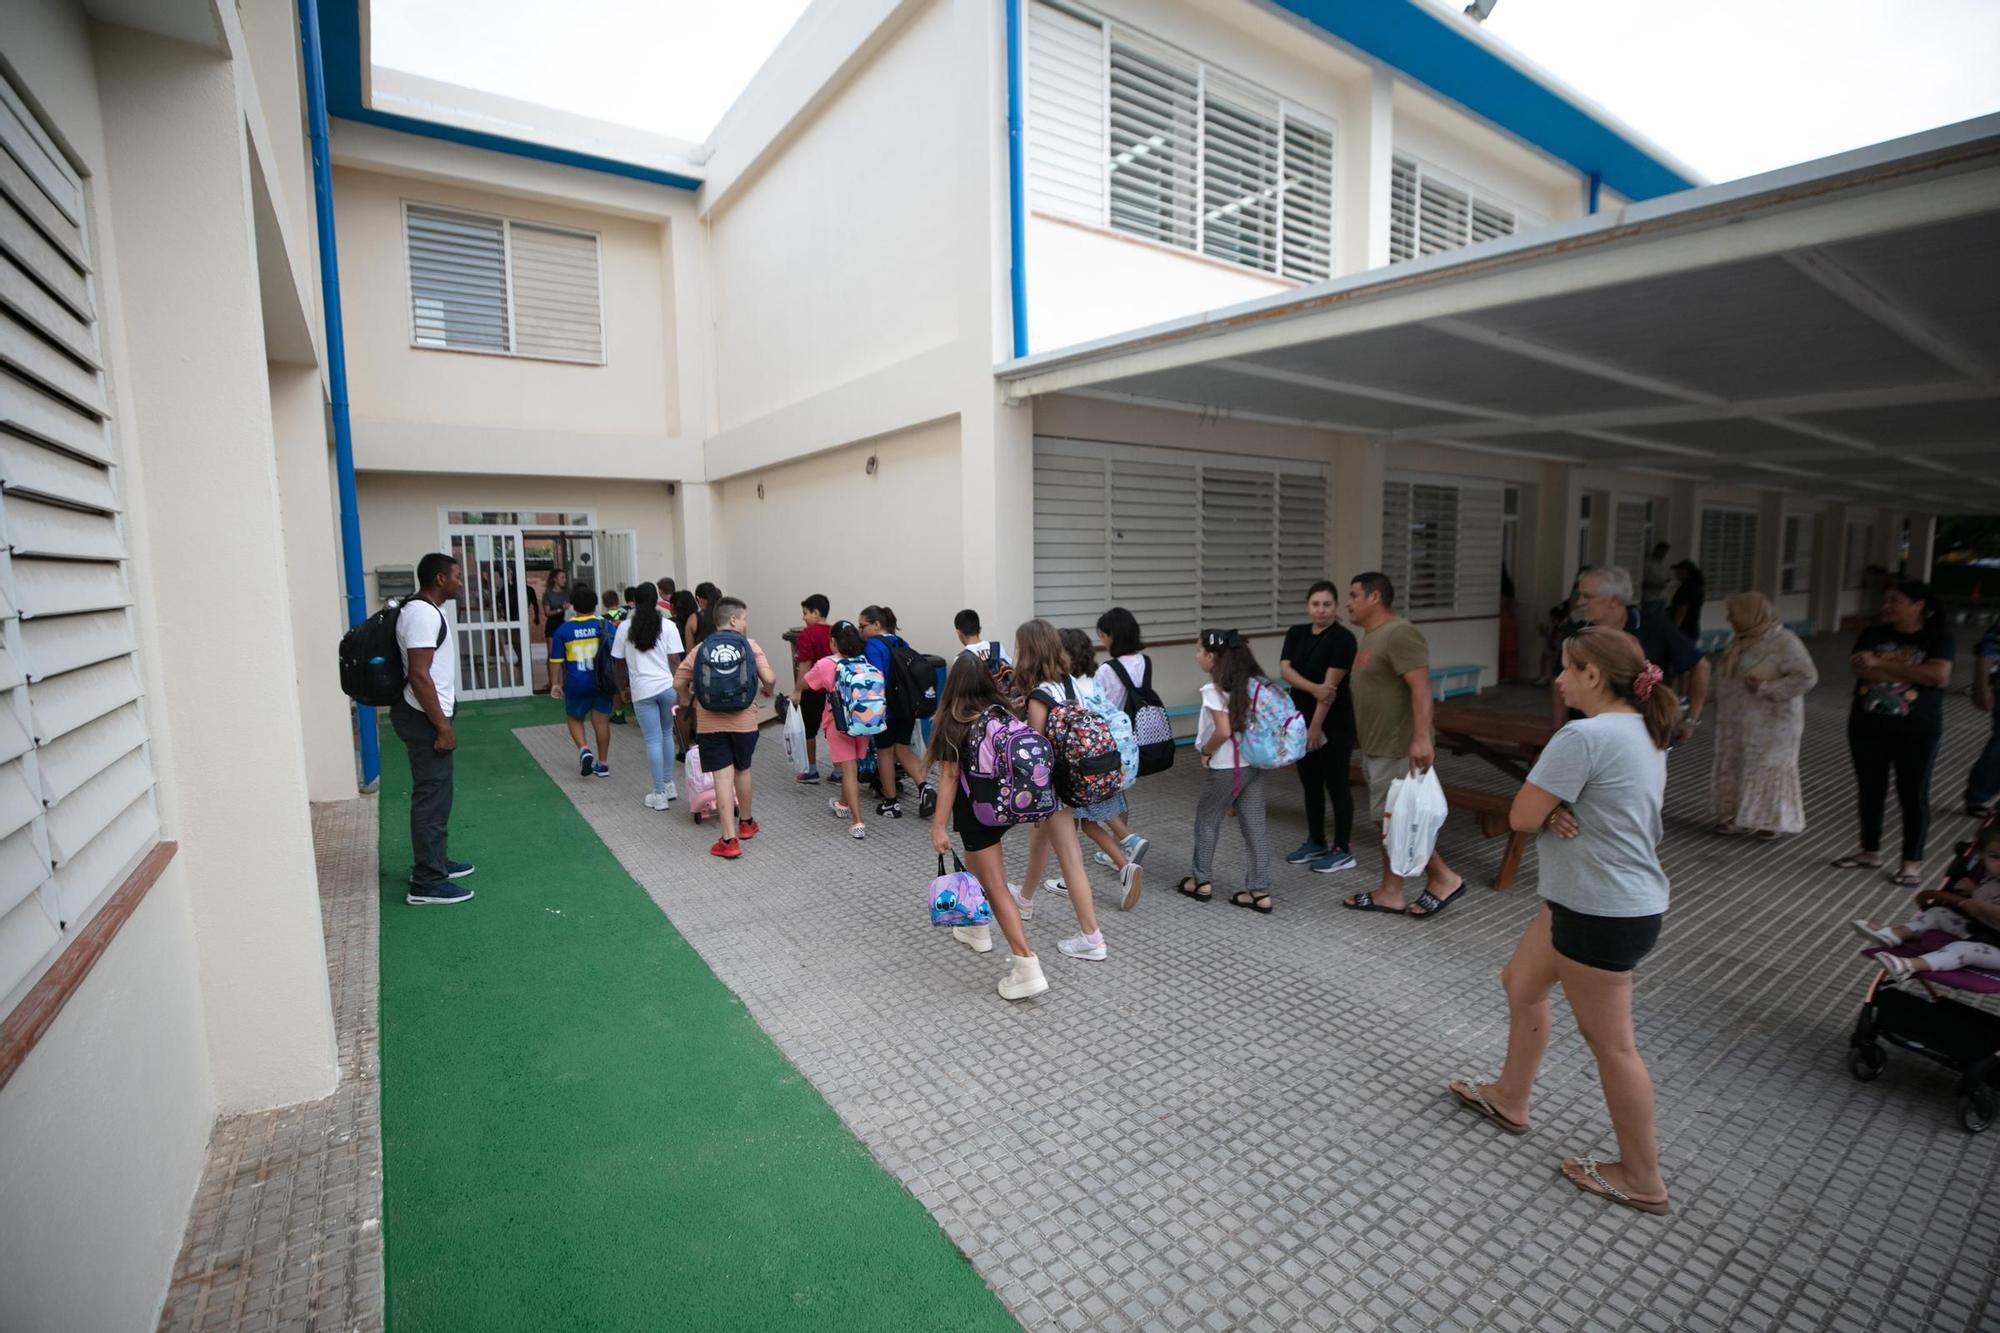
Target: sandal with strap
(1190,887)
(1592,1181)
(1429,904)
(1852,862)
(1472,1099)
(1365,902)
(1255,899)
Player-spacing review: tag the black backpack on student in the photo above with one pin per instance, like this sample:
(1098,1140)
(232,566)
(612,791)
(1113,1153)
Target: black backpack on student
(912,680)
(1150,725)
(371,665)
(725,673)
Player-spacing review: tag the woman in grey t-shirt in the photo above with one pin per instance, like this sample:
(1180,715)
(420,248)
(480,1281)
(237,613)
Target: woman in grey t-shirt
(1594,800)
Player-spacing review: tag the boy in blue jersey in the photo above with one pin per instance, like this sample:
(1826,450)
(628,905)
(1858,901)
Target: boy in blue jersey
(580,675)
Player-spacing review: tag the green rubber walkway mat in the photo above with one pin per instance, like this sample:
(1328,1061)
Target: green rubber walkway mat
(583,1129)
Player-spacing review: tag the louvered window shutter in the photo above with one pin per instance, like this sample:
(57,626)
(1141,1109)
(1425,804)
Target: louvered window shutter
(1634,527)
(1433,547)
(1308,201)
(76,783)
(1443,217)
(1155,544)
(1402,210)
(1490,220)
(1072,574)
(1301,539)
(1066,132)
(1396,536)
(1477,588)
(458,280)
(1238,547)
(1154,99)
(1239,172)
(1429,215)
(557,311)
(1728,550)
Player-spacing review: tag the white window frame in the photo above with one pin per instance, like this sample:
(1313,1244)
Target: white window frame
(507,225)
(1647,527)
(1474,579)
(1286,111)
(1796,555)
(1475,194)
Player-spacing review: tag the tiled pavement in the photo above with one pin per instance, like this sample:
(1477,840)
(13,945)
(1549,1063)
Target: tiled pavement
(1239,1121)
(286,1232)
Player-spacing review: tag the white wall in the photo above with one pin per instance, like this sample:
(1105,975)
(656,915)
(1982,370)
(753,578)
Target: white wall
(1443,136)
(1085,283)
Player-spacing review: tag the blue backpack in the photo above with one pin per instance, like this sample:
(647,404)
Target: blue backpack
(1122,734)
(1274,732)
(725,673)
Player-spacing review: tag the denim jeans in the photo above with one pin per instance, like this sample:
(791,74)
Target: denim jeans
(656,719)
(1983,783)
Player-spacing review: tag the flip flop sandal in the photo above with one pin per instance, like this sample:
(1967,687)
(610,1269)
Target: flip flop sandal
(1432,905)
(1473,1100)
(1766,835)
(1852,862)
(1365,902)
(1189,887)
(1904,880)
(1253,899)
(1593,1182)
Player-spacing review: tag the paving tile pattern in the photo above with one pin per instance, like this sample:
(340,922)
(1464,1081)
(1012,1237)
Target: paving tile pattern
(1239,1122)
(286,1231)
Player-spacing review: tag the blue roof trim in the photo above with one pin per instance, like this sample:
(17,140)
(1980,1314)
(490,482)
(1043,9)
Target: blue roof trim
(1423,44)
(340,37)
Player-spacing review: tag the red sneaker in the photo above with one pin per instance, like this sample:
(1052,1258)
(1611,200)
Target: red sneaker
(746,829)
(726,848)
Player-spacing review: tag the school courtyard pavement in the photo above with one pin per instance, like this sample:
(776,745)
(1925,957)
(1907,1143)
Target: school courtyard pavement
(593,1115)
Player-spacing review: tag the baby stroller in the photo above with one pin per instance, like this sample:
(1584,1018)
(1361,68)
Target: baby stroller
(1919,1016)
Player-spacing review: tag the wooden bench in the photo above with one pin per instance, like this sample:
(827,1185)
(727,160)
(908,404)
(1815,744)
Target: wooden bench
(1491,809)
(1713,641)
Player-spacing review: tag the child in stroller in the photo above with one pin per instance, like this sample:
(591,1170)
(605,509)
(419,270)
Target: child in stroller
(1967,909)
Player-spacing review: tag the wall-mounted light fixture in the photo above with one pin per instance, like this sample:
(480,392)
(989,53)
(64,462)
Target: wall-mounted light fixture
(871,465)
(760,490)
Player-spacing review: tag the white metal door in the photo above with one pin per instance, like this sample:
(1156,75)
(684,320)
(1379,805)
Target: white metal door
(493,661)
(618,558)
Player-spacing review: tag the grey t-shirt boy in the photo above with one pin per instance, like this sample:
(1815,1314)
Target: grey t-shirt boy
(1611,775)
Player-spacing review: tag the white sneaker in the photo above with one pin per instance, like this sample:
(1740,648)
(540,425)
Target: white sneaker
(1079,946)
(668,797)
(1026,906)
(1104,859)
(1023,980)
(1055,886)
(834,806)
(1874,934)
(1896,965)
(656,801)
(857,831)
(1129,877)
(979,939)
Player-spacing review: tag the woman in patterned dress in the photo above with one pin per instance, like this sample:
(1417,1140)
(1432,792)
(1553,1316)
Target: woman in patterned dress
(1760,699)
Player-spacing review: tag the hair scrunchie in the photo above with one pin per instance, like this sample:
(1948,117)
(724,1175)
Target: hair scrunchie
(1643,683)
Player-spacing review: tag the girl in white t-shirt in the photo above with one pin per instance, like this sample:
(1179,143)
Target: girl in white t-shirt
(647,676)
(1118,636)
(1225,706)
(1103,823)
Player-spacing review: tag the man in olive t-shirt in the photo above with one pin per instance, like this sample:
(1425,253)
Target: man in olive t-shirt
(1391,685)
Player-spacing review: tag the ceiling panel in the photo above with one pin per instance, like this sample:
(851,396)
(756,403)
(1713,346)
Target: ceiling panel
(1944,274)
(1216,388)
(1921,424)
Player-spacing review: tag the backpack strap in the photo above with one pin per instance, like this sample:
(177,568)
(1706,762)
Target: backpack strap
(443,625)
(993,658)
(1124,676)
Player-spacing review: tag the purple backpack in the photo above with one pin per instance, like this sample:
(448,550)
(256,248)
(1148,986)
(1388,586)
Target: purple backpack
(957,899)
(1006,772)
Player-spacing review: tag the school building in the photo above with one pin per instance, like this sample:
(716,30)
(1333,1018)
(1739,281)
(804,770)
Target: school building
(1036,308)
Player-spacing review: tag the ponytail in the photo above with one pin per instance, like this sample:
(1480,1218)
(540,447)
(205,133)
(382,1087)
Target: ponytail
(1630,676)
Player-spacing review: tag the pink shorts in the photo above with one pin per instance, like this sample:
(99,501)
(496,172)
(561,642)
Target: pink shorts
(841,747)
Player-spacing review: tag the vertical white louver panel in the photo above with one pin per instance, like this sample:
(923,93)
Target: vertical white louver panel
(1479,552)
(1443,544)
(1155,545)
(1308,201)
(1728,550)
(1635,530)
(1066,139)
(76,804)
(1402,211)
(1239,549)
(1444,218)
(1490,220)
(558,310)
(1396,536)
(1239,176)
(1072,569)
(1433,548)
(1301,539)
(1154,132)
(458,279)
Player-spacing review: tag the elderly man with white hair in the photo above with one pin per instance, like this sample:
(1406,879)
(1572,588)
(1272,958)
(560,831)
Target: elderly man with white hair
(1604,597)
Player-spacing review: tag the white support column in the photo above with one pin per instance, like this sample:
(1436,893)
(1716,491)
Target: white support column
(1923,545)
(1366,154)
(697,535)
(221,684)
(1355,539)
(1770,545)
(1829,565)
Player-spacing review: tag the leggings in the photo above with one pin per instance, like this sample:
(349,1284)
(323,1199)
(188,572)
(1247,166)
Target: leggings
(1323,773)
(1217,786)
(656,720)
(1963,952)
(1907,746)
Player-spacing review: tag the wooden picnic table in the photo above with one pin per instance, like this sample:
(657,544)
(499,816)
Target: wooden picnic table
(1511,741)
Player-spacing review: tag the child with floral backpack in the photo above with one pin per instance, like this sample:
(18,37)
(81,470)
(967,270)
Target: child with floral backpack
(855,713)
(1103,822)
(1042,668)
(1229,778)
(969,713)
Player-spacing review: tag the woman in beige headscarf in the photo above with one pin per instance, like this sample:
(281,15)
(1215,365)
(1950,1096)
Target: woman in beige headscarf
(1760,701)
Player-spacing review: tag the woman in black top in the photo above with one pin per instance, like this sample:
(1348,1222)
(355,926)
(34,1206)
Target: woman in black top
(1315,661)
(1689,594)
(1901,669)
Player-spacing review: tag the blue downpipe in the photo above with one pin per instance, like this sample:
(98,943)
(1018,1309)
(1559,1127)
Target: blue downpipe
(1017,205)
(336,365)
(1596,187)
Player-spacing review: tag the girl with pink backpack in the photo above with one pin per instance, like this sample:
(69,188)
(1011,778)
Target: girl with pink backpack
(993,773)
(1041,667)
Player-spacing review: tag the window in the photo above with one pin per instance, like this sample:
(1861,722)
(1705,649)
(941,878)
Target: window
(1860,541)
(1180,539)
(1634,538)
(485,284)
(1442,546)
(1510,532)
(1430,212)
(1796,560)
(76,779)
(1728,550)
(1585,524)
(1131,134)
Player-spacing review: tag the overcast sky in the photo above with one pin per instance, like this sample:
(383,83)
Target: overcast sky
(1731,87)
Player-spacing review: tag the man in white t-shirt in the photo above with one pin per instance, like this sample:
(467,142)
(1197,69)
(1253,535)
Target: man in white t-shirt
(422,718)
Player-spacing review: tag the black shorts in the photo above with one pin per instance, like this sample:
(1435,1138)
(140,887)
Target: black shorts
(812,706)
(1608,943)
(972,835)
(895,733)
(725,749)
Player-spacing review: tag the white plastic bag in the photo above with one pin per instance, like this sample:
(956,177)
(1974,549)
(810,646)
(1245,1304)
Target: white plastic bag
(1411,820)
(795,738)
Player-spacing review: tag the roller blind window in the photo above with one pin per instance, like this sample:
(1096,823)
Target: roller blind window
(486,284)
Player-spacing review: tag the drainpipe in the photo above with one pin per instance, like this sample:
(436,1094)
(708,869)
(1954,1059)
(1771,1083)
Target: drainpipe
(1596,185)
(336,365)
(1017,210)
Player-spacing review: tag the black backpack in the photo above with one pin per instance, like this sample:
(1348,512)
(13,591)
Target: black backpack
(1150,725)
(912,680)
(725,673)
(371,665)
